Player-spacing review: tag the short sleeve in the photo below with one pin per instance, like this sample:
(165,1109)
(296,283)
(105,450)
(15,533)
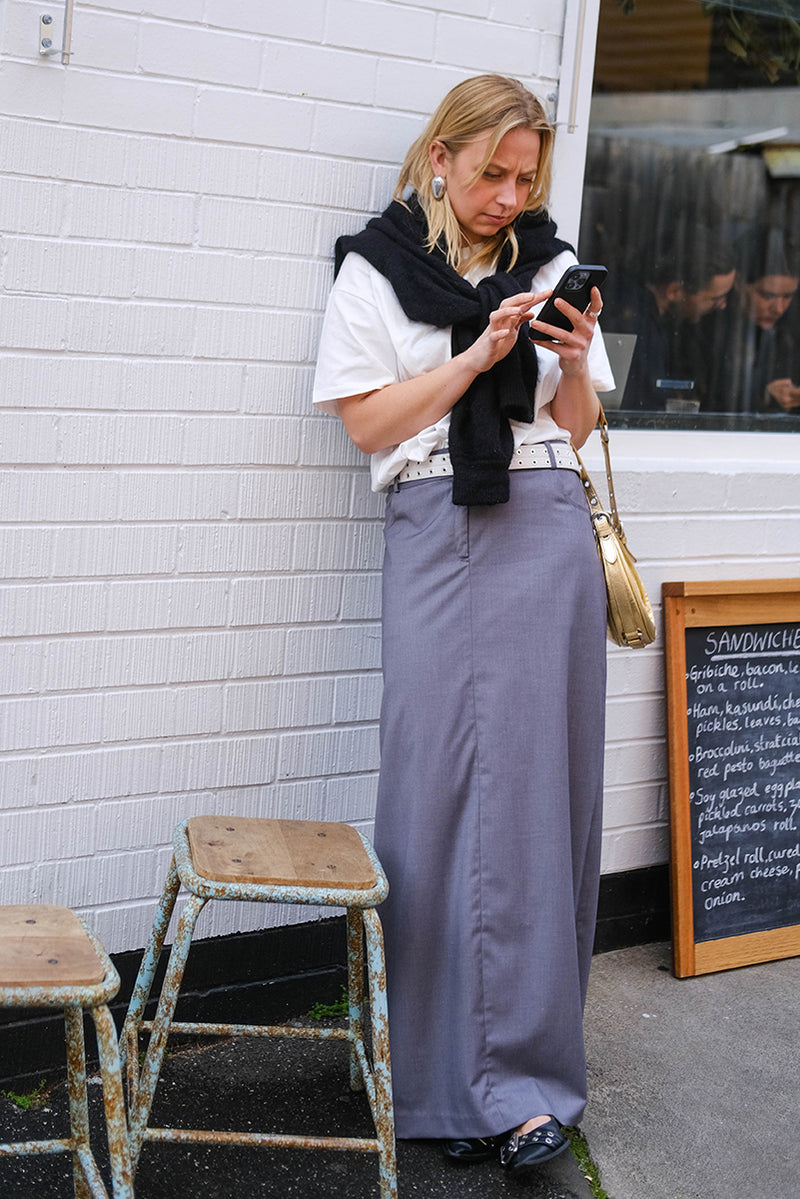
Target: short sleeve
(356,351)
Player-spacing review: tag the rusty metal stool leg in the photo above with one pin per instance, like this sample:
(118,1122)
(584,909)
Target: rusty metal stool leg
(50,959)
(283,862)
(381,1097)
(160,1025)
(78,1099)
(355,993)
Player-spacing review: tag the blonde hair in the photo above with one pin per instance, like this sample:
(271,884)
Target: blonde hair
(484,104)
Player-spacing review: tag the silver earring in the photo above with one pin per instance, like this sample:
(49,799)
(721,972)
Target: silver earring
(438,187)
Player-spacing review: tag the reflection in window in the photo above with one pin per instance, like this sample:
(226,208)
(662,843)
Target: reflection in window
(692,201)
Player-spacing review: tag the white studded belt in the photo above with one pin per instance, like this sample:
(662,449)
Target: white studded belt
(548,455)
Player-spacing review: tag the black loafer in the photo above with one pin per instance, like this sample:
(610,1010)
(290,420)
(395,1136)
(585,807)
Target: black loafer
(470,1149)
(522,1153)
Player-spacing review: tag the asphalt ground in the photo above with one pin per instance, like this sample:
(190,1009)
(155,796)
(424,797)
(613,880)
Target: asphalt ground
(694,1093)
(289,1086)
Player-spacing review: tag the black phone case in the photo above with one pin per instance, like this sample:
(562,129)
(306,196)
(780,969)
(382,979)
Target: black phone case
(578,296)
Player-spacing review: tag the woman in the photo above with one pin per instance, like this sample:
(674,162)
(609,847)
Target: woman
(488,819)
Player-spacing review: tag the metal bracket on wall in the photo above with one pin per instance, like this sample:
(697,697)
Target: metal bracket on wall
(46,30)
(46,34)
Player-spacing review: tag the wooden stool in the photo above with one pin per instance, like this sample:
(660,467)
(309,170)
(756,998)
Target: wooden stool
(270,861)
(49,958)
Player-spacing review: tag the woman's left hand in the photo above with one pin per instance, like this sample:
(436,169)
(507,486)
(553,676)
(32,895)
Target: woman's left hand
(575,405)
(572,346)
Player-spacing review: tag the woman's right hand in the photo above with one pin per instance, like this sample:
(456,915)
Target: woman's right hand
(500,335)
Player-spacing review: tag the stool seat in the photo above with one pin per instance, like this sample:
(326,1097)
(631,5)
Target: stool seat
(43,945)
(305,853)
(258,860)
(50,959)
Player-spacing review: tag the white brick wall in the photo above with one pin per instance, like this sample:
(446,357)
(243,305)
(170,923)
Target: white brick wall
(696,506)
(188,609)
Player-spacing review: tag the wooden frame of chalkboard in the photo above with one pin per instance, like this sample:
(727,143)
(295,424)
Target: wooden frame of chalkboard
(733,717)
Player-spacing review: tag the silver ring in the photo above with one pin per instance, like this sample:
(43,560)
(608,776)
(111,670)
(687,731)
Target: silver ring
(596,314)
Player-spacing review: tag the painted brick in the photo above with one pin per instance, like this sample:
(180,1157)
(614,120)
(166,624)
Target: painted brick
(146,713)
(105,42)
(538,15)
(361,597)
(235,548)
(283,495)
(59,778)
(372,135)
(345,751)
(363,501)
(27,88)
(293,600)
(72,883)
(241,441)
(283,704)
(32,836)
(64,268)
(33,440)
(100,439)
(251,760)
(258,653)
(104,212)
(198,54)
(102,327)
(288,600)
(21,666)
(45,609)
(245,225)
(349,545)
(277,389)
(325,443)
(418,86)
(65,496)
(127,102)
(172,604)
(192,765)
(253,119)
(83,663)
(172,10)
(33,324)
(303,179)
(350,798)
(647,846)
(26,553)
(67,382)
(487,46)
(230,333)
(280,21)
(31,206)
(410,33)
(320,72)
(52,721)
(358,698)
(343,647)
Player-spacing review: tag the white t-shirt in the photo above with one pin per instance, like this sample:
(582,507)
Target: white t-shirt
(368,342)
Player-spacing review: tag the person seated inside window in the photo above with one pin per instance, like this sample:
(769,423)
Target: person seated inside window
(754,359)
(681,286)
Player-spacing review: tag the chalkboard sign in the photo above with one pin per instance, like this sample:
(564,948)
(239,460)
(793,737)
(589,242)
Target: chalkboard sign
(733,690)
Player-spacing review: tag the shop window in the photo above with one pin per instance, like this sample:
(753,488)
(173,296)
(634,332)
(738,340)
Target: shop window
(692,201)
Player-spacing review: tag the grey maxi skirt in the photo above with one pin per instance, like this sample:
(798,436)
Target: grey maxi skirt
(489,805)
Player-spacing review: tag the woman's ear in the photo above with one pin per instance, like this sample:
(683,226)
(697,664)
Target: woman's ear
(437,152)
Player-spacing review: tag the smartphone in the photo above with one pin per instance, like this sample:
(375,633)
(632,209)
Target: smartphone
(574,286)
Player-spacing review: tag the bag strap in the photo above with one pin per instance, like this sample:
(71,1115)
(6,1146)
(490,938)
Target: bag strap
(593,499)
(612,499)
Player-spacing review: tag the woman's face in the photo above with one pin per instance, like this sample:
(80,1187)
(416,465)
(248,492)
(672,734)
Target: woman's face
(485,205)
(766,300)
